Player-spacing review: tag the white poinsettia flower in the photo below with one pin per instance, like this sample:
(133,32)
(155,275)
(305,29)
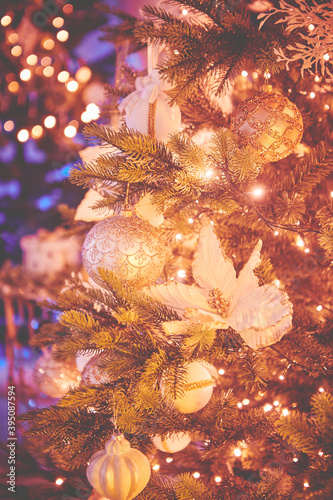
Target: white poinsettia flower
(260,314)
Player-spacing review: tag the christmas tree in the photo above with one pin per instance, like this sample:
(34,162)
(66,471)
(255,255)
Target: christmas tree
(203,331)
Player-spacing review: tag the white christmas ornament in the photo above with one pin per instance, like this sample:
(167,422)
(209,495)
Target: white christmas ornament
(197,391)
(82,360)
(260,314)
(172,444)
(119,472)
(147,109)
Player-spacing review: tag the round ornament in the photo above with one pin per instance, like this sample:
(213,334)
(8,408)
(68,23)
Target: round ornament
(92,374)
(147,108)
(172,444)
(55,378)
(126,245)
(119,472)
(82,360)
(270,123)
(198,389)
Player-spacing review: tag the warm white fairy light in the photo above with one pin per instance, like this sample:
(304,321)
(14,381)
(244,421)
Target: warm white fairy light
(276,233)
(62,35)
(326,107)
(255,75)
(299,242)
(320,453)
(8,125)
(295,459)
(169,460)
(176,52)
(59,481)
(285,412)
(281,377)
(48,71)
(267,407)
(6,20)
(93,110)
(32,59)
(326,57)
(16,51)
(245,402)
(50,121)
(23,135)
(258,192)
(46,61)
(72,86)
(70,131)
(58,22)
(178,237)
(190,220)
(13,38)
(48,44)
(244,73)
(217,479)
(312,95)
(321,389)
(13,87)
(221,371)
(307,250)
(267,75)
(237,452)
(240,405)
(184,12)
(85,117)
(37,131)
(311,27)
(181,273)
(83,74)
(276,403)
(319,308)
(277,283)
(317,78)
(156,467)
(209,173)
(63,76)
(306,484)
(196,475)
(331,194)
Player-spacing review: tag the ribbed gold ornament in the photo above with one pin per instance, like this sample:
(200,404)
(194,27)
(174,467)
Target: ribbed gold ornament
(270,123)
(126,245)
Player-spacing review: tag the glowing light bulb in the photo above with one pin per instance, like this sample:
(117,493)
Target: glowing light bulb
(13,87)
(268,407)
(37,131)
(46,61)
(85,117)
(58,22)
(237,452)
(281,377)
(6,20)
(8,126)
(196,475)
(48,71)
(190,220)
(299,242)
(217,479)
(312,95)
(59,481)
(16,51)
(316,78)
(319,308)
(178,237)
(25,75)
(156,467)
(63,76)
(23,135)
(68,8)
(255,75)
(245,402)
(321,389)
(326,57)
(32,59)
(285,412)
(239,405)
(72,86)
(70,131)
(295,459)
(276,233)
(307,250)
(276,403)
(62,35)
(258,192)
(244,73)
(320,453)
(169,460)
(93,111)
(13,38)
(181,273)
(176,52)
(50,121)
(48,44)
(311,27)
(326,106)
(221,371)
(306,484)
(83,74)
(184,12)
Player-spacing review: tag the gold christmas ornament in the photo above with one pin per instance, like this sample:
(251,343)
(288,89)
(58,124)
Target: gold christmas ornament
(55,378)
(173,443)
(119,472)
(198,389)
(126,245)
(270,123)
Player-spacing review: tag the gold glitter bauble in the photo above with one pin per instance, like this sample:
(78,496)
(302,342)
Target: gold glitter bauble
(126,245)
(55,378)
(270,123)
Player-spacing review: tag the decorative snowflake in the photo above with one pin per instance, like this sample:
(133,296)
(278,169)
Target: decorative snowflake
(317,45)
(260,314)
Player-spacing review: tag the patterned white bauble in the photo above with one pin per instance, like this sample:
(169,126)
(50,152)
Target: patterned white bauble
(119,472)
(198,389)
(126,245)
(147,109)
(173,443)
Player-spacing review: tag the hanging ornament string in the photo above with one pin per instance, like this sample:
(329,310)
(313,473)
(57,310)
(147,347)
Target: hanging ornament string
(153,53)
(126,211)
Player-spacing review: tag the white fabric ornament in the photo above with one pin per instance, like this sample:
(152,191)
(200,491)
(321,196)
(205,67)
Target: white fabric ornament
(198,389)
(119,472)
(260,314)
(147,108)
(173,443)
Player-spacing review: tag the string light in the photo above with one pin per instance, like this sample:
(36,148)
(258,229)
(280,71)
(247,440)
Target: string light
(68,8)
(311,27)
(72,86)
(184,12)
(307,250)
(13,38)
(48,71)
(169,460)
(255,75)
(299,242)
(59,481)
(181,273)
(13,87)
(156,467)
(276,233)
(58,22)
(63,76)
(32,59)
(70,131)
(6,20)
(239,405)
(245,402)
(258,192)
(48,44)
(83,74)
(312,95)
(326,57)
(50,121)
(25,75)
(306,484)
(295,459)
(178,237)
(62,35)
(319,308)
(321,389)
(39,70)
(285,412)
(23,135)
(237,452)
(221,371)
(244,73)
(196,475)
(37,131)
(8,126)
(320,453)
(326,106)
(93,110)
(16,51)
(276,403)
(217,479)
(317,78)
(190,220)
(268,407)
(46,61)
(281,377)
